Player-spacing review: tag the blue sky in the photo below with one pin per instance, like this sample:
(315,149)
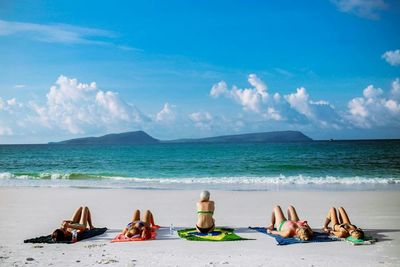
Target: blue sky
(199,68)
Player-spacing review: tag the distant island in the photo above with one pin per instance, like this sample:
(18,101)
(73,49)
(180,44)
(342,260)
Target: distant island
(141,137)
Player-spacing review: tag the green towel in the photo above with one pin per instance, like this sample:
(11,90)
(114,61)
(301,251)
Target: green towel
(219,234)
(367,240)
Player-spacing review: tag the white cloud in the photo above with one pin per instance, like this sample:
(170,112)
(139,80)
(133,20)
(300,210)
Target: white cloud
(392,57)
(59,33)
(79,108)
(375,108)
(396,88)
(372,92)
(219,89)
(299,101)
(19,86)
(363,8)
(202,120)
(273,114)
(249,98)
(166,114)
(4,130)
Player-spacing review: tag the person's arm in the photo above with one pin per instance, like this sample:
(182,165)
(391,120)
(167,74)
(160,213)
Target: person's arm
(337,234)
(76,226)
(281,233)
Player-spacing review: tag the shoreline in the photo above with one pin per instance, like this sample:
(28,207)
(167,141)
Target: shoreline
(37,211)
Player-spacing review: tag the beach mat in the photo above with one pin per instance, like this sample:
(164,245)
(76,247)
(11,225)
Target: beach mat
(122,238)
(81,236)
(317,237)
(219,234)
(367,240)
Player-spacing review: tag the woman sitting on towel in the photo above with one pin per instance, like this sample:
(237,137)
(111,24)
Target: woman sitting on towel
(205,210)
(341,227)
(70,228)
(140,228)
(289,228)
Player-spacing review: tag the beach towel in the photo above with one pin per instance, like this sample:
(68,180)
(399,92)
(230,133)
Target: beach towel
(367,240)
(219,234)
(81,236)
(317,237)
(122,238)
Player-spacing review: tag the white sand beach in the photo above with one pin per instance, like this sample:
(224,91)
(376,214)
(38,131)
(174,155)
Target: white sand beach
(31,212)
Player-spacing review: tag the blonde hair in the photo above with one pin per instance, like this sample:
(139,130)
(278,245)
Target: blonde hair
(304,233)
(132,232)
(204,196)
(358,234)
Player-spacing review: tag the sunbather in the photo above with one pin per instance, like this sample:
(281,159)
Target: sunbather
(289,228)
(341,227)
(69,229)
(140,228)
(205,210)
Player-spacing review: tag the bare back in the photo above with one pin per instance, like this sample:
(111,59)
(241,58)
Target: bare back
(205,211)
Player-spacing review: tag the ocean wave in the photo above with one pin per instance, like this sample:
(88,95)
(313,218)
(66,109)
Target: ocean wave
(228,180)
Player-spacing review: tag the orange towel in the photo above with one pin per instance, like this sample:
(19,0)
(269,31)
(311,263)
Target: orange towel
(122,238)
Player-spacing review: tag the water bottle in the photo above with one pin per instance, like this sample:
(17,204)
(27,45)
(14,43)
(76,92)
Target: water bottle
(171,229)
(74,236)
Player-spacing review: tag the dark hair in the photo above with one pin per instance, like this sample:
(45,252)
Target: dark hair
(358,233)
(58,235)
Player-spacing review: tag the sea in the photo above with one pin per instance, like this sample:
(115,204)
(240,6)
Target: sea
(318,165)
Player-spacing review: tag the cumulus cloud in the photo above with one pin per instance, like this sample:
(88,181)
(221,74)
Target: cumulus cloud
(79,107)
(166,114)
(249,98)
(219,89)
(296,107)
(392,57)
(201,120)
(375,108)
(369,9)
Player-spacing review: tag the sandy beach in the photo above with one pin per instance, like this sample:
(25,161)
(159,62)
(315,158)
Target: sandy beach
(31,212)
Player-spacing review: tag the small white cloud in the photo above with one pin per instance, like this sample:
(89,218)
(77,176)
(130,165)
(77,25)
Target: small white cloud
(202,120)
(219,89)
(273,114)
(166,114)
(396,88)
(249,98)
(363,8)
(392,57)
(4,131)
(299,101)
(372,92)
(375,108)
(19,86)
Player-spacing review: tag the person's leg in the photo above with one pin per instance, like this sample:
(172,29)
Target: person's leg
(77,215)
(84,216)
(292,214)
(278,216)
(136,216)
(343,216)
(331,217)
(148,218)
(89,219)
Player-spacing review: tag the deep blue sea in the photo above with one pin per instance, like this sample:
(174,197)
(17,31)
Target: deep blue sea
(274,166)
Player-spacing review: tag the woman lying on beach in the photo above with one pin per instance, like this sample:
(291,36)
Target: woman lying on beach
(289,228)
(205,210)
(71,228)
(140,228)
(341,227)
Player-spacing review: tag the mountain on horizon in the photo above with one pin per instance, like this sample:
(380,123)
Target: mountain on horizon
(141,137)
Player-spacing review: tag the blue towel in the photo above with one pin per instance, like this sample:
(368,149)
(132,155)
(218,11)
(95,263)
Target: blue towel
(317,237)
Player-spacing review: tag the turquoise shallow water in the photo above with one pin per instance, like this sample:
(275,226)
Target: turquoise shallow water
(224,166)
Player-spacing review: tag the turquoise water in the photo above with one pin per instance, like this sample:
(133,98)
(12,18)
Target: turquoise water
(225,166)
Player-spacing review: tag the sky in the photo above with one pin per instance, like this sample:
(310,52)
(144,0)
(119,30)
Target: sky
(187,69)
